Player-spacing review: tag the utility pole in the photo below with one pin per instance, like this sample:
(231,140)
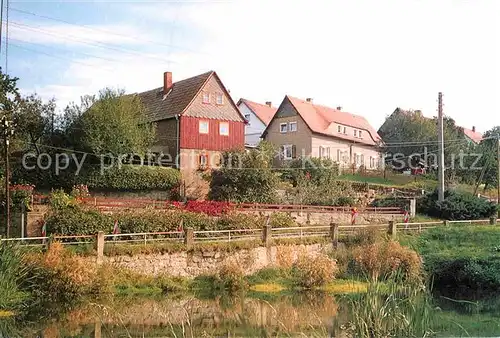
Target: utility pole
(440,148)
(8,131)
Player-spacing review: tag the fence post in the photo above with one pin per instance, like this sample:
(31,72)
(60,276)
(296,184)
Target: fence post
(446,223)
(334,234)
(392,229)
(493,220)
(413,208)
(189,237)
(100,246)
(308,220)
(49,242)
(266,234)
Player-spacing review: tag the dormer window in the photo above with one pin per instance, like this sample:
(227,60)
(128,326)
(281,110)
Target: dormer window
(339,128)
(355,133)
(219,99)
(345,130)
(206,98)
(360,134)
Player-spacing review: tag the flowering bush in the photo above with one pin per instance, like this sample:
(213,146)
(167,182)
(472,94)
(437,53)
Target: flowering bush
(80,191)
(21,195)
(211,208)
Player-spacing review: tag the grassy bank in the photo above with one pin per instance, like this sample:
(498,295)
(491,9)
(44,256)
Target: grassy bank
(463,258)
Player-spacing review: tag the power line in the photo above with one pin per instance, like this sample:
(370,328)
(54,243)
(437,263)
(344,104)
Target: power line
(158,43)
(7,40)
(58,57)
(96,44)
(65,50)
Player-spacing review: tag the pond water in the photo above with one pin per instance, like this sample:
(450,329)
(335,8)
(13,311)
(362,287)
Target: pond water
(305,314)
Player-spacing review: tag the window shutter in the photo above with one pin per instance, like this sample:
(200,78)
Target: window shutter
(294,151)
(282,152)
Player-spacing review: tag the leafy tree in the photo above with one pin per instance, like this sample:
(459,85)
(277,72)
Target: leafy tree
(414,137)
(488,150)
(109,122)
(245,176)
(35,122)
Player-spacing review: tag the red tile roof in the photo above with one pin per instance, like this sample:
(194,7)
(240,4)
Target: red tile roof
(473,135)
(262,111)
(324,120)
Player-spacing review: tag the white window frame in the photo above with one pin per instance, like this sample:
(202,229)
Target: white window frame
(355,133)
(205,97)
(281,128)
(345,130)
(221,97)
(324,152)
(202,130)
(339,128)
(360,134)
(227,128)
(285,147)
(290,126)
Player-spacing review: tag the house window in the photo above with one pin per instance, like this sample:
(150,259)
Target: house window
(206,97)
(355,133)
(224,128)
(293,126)
(203,161)
(324,152)
(247,117)
(283,127)
(339,128)
(345,130)
(360,134)
(372,162)
(288,151)
(219,99)
(203,127)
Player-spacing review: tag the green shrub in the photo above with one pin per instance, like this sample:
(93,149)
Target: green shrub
(282,220)
(312,272)
(235,220)
(344,201)
(77,221)
(390,202)
(318,171)
(133,177)
(12,274)
(456,206)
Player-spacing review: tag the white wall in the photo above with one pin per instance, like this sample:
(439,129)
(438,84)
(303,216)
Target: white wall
(254,128)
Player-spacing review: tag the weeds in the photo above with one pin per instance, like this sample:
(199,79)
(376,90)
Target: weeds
(312,272)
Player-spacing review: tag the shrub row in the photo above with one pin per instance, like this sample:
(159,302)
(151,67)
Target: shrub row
(131,177)
(78,220)
(126,177)
(456,206)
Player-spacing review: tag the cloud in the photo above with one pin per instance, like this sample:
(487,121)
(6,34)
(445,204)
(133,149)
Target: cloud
(368,57)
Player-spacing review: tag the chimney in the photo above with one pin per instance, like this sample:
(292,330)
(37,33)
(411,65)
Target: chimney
(309,99)
(474,129)
(268,103)
(339,108)
(167,82)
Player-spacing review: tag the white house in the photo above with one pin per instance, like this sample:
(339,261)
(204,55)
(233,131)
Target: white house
(258,117)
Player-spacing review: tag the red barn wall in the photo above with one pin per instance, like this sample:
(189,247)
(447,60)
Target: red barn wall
(192,139)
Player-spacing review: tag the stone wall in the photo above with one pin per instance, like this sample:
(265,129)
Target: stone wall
(323,218)
(192,264)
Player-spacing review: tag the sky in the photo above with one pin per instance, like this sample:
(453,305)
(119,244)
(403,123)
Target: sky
(367,56)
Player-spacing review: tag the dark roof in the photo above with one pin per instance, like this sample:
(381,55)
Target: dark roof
(178,99)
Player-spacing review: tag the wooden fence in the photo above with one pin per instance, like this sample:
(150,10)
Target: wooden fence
(266,234)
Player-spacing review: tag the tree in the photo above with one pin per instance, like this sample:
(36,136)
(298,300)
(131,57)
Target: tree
(414,137)
(110,122)
(488,151)
(35,122)
(245,176)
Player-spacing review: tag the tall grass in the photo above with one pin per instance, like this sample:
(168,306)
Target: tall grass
(12,274)
(390,310)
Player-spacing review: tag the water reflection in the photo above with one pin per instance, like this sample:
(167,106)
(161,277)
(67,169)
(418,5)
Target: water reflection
(309,314)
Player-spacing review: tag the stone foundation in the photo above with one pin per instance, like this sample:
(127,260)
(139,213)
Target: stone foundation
(192,264)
